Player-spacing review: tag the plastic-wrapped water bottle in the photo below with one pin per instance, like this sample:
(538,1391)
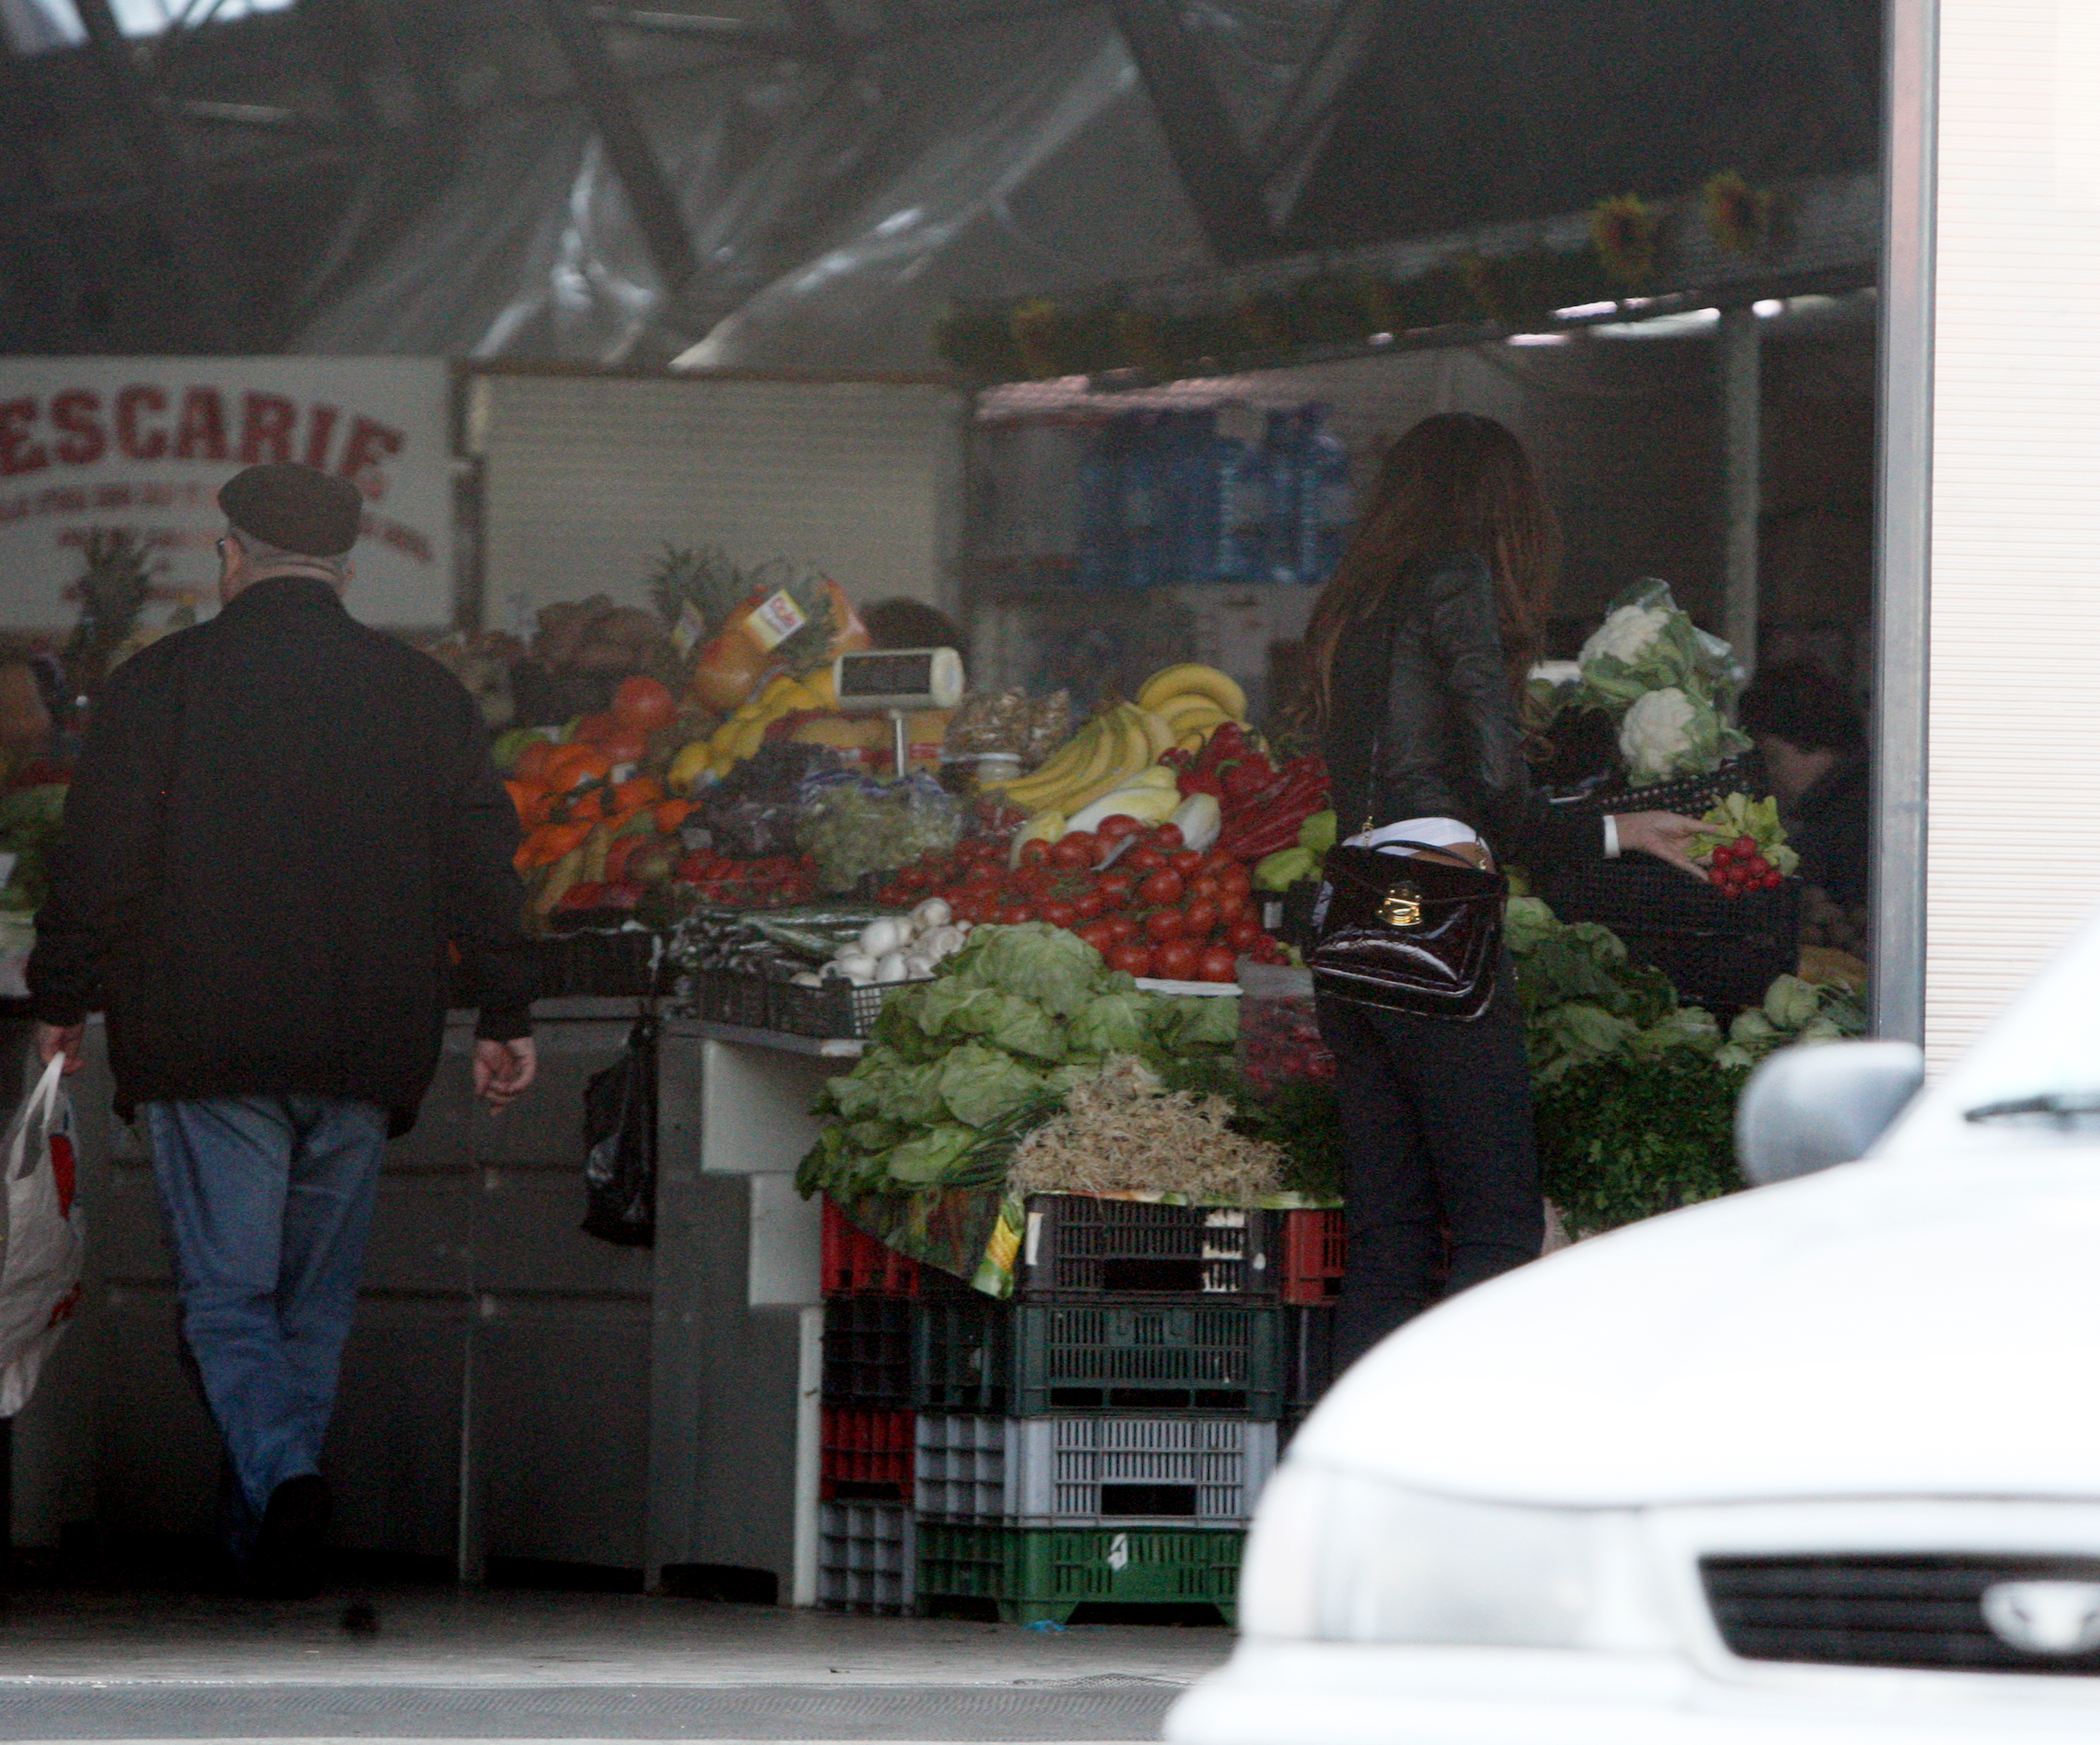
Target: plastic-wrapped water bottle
(1280,448)
(1144,503)
(1198,498)
(1325,507)
(1242,477)
(1098,562)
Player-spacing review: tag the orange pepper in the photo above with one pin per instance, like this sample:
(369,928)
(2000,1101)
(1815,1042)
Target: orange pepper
(617,856)
(572,766)
(671,814)
(531,801)
(637,791)
(548,843)
(587,808)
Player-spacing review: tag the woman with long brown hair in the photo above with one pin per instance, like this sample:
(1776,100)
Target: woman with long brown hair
(1420,648)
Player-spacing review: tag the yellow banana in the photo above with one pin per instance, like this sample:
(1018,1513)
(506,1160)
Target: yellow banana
(1067,760)
(1129,754)
(1192,678)
(1047,785)
(1158,731)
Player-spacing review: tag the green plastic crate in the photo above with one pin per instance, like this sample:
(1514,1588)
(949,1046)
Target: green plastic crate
(1038,1573)
(1039,1360)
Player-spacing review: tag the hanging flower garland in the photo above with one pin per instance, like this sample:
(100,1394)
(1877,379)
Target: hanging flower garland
(1624,229)
(1738,216)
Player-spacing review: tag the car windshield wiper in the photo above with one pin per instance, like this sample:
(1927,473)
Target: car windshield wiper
(2059,1106)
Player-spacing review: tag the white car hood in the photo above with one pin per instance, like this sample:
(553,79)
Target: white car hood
(1911,1327)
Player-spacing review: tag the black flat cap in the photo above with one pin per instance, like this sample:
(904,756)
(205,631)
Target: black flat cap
(294,508)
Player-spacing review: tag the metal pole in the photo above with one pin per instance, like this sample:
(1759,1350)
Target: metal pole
(1903,534)
(1743,489)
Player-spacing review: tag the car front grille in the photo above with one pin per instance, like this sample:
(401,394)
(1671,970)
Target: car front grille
(1923,1612)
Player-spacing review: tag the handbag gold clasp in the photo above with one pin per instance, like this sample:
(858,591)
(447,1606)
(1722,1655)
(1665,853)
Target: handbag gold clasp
(1402,907)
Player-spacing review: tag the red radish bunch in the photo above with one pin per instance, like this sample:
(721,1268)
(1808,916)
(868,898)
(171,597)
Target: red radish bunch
(1162,910)
(1739,866)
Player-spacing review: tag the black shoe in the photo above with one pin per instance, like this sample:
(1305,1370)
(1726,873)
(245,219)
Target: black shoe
(287,1564)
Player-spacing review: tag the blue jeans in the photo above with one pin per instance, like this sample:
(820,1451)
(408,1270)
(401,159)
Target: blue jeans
(269,1201)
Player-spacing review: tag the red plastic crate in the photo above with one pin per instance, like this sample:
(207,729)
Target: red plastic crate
(1316,1249)
(867,1456)
(856,1265)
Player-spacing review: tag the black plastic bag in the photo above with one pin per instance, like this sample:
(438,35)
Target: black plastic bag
(620,1145)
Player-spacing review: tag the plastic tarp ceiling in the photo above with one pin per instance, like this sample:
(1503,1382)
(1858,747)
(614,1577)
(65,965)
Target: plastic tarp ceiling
(833,215)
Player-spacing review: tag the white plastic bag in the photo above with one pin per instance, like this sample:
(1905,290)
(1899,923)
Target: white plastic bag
(44,1236)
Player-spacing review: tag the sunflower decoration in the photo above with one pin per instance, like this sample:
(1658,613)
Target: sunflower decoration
(1034,324)
(1625,229)
(1144,344)
(1738,217)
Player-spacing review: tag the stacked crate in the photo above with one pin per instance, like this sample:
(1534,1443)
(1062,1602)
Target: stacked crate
(1316,1249)
(867,1551)
(1105,1435)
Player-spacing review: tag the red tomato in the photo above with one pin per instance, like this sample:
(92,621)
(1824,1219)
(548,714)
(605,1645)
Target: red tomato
(1122,928)
(1116,829)
(1242,934)
(1100,935)
(1164,886)
(644,704)
(1200,917)
(1232,913)
(1167,839)
(1219,858)
(1217,965)
(1093,903)
(1075,852)
(1205,884)
(1096,847)
(1034,852)
(1186,861)
(1177,960)
(1143,859)
(1118,884)
(1062,914)
(1162,925)
(1017,915)
(1132,959)
(1235,880)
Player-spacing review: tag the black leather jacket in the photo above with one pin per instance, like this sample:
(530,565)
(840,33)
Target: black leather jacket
(1442,720)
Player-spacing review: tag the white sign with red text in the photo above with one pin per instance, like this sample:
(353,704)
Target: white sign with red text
(89,444)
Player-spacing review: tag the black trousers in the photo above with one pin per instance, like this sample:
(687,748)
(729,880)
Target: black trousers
(1437,1117)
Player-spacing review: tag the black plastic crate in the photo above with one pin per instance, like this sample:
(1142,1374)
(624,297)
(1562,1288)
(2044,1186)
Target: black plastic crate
(1311,1358)
(1078,1246)
(867,1352)
(1692,795)
(728,997)
(837,1009)
(1718,951)
(1035,1360)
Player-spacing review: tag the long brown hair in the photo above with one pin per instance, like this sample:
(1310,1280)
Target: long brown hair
(1456,482)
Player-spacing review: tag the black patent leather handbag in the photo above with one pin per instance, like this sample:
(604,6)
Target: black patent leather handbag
(1399,933)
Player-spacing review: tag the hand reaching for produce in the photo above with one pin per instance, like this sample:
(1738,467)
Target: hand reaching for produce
(1666,835)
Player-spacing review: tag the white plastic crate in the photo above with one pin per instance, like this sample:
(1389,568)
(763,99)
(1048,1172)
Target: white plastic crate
(1091,1472)
(867,1557)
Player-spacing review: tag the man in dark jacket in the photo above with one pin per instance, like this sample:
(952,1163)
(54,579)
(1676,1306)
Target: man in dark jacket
(281,822)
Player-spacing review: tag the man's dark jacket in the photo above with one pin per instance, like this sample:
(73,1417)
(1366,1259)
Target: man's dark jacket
(281,822)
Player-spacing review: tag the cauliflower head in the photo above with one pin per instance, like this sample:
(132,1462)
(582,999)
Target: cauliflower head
(1660,734)
(1626,634)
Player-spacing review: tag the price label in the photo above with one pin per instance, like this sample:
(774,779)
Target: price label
(687,632)
(776,618)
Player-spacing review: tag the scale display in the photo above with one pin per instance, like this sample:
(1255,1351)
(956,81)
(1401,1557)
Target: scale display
(888,680)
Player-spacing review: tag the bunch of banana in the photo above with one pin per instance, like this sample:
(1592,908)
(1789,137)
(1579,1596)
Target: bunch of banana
(1099,759)
(1194,701)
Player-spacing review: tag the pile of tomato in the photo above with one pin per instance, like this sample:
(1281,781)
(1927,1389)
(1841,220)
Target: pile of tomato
(776,882)
(1148,904)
